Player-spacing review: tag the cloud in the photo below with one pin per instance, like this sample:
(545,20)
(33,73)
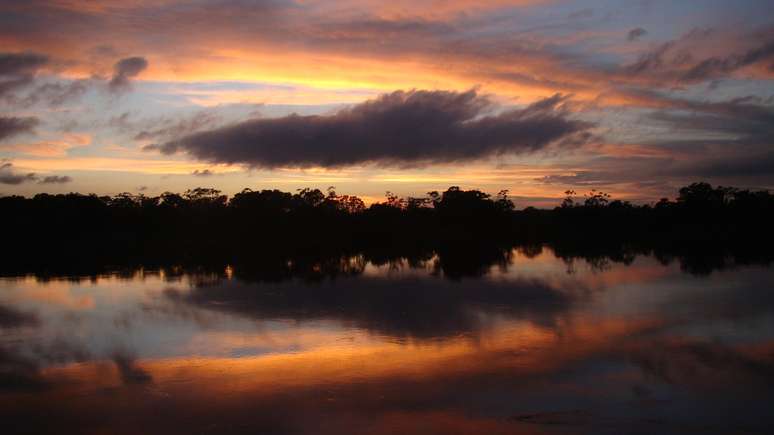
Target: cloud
(20,63)
(581,178)
(50,148)
(426,9)
(18,70)
(706,54)
(401,128)
(724,142)
(9,176)
(720,66)
(124,70)
(756,166)
(741,120)
(56,94)
(202,173)
(12,126)
(636,34)
(168,128)
(55,179)
(397,44)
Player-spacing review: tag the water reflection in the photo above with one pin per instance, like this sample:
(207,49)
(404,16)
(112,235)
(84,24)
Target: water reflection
(528,340)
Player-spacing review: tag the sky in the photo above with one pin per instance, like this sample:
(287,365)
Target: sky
(634,98)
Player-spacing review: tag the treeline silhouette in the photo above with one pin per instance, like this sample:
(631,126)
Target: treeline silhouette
(203,225)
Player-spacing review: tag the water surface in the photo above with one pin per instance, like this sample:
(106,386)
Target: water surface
(526,343)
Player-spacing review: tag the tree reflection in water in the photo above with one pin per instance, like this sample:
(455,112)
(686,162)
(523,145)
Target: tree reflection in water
(485,340)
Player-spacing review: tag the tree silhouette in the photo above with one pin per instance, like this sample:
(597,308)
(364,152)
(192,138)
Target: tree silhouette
(202,222)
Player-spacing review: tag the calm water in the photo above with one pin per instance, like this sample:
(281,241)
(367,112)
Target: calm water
(530,344)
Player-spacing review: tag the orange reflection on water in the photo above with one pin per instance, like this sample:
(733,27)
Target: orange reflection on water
(509,351)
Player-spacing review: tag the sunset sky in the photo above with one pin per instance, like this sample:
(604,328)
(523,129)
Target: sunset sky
(635,98)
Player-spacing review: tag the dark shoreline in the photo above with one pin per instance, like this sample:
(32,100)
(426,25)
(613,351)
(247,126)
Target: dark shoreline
(705,229)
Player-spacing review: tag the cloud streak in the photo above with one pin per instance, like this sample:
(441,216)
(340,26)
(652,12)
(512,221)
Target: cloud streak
(202,173)
(8,176)
(705,54)
(55,179)
(11,177)
(397,129)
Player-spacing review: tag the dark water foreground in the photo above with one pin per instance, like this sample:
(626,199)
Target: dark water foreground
(523,341)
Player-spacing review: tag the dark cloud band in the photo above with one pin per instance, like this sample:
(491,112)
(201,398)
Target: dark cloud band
(12,126)
(18,70)
(401,128)
(11,177)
